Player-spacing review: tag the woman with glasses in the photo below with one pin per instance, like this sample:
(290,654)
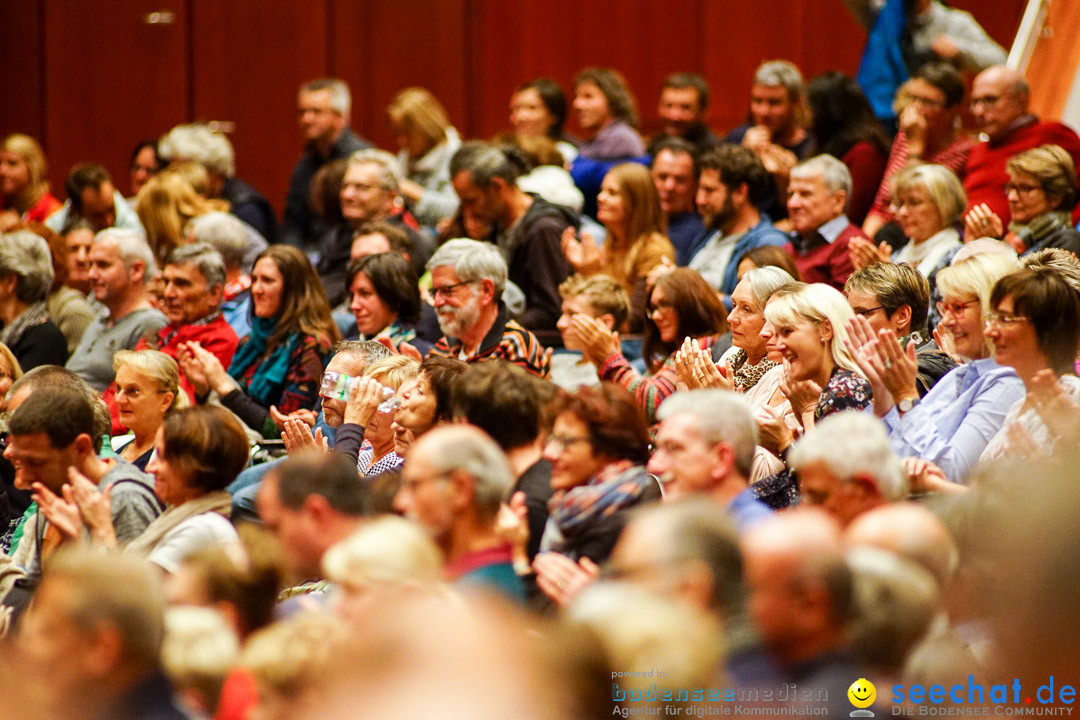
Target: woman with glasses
(147,390)
(683,305)
(598,448)
(953,423)
(1035,329)
(1041,192)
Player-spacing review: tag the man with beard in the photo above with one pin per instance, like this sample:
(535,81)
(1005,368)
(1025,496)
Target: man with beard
(732,185)
(467,282)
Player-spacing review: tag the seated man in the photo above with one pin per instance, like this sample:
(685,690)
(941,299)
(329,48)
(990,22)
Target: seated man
(705,447)
(93,197)
(732,188)
(897,297)
(452,485)
(1000,100)
(600,297)
(121,263)
(369,193)
(467,282)
(684,99)
(526,228)
(847,466)
(817,194)
(52,431)
(675,171)
(212,150)
(227,235)
(777,100)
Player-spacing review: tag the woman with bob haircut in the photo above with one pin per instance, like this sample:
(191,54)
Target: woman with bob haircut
(385,297)
(1035,329)
(927,202)
(198,452)
(629,208)
(538,109)
(683,305)
(953,423)
(24,182)
(607,113)
(26,276)
(427,141)
(278,365)
(147,390)
(598,448)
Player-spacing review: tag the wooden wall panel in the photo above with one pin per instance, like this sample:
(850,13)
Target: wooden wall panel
(249,57)
(22,56)
(112,79)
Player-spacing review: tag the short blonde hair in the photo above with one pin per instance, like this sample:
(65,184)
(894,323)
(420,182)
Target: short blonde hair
(386,551)
(199,651)
(393,371)
(940,183)
(157,366)
(289,657)
(16,369)
(976,276)
(816,304)
(417,111)
(604,294)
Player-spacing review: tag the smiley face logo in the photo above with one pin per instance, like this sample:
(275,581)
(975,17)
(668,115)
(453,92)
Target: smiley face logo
(862,693)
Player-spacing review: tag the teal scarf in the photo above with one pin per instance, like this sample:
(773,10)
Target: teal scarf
(269,378)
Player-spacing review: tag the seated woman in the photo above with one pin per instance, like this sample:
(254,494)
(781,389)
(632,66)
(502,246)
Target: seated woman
(598,448)
(1042,193)
(199,450)
(25,278)
(768,256)
(952,425)
(629,208)
(385,297)
(425,400)
(427,141)
(538,109)
(927,202)
(279,364)
(147,390)
(683,306)
(606,112)
(845,127)
(747,361)
(1035,329)
(930,131)
(24,182)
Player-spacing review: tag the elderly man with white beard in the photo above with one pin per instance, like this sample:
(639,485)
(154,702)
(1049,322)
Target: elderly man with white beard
(467,283)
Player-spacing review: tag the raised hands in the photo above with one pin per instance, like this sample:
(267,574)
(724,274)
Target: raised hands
(926,477)
(802,394)
(883,360)
(1060,414)
(582,252)
(773,432)
(981,222)
(562,579)
(512,525)
(863,252)
(206,367)
(597,343)
(297,436)
(61,512)
(695,369)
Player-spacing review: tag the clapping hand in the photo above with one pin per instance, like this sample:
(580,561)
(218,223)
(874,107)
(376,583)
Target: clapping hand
(926,477)
(210,368)
(597,343)
(863,252)
(582,252)
(562,579)
(696,370)
(297,436)
(1060,414)
(982,222)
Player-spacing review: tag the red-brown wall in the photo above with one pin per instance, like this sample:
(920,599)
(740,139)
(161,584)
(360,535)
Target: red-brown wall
(90,79)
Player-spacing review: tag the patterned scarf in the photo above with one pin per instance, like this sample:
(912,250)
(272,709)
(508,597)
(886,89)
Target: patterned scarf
(745,375)
(269,378)
(32,316)
(573,511)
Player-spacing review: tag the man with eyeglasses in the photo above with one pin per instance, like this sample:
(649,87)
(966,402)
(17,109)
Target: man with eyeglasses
(999,104)
(467,282)
(897,297)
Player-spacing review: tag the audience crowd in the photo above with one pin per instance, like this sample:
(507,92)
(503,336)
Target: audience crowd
(552,426)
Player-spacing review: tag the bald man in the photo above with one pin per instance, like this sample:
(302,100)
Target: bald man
(999,104)
(800,599)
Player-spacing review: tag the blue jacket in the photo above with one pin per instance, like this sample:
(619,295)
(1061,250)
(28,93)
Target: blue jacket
(761,234)
(882,69)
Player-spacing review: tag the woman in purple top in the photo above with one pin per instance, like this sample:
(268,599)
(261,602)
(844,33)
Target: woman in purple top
(607,115)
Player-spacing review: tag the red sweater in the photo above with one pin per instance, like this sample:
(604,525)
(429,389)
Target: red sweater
(986,176)
(825,262)
(866,166)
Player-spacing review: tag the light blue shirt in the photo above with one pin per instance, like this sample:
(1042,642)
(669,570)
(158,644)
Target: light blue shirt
(125,215)
(747,510)
(952,425)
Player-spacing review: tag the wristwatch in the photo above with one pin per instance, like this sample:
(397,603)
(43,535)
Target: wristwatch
(906,404)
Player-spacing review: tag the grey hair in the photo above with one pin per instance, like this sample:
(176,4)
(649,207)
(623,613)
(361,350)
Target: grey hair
(340,97)
(133,246)
(203,256)
(781,73)
(390,174)
(224,233)
(850,443)
(463,447)
(369,350)
(26,256)
(197,142)
(722,416)
(484,163)
(834,173)
(764,281)
(472,261)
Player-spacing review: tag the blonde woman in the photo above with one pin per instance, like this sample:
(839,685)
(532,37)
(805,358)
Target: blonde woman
(24,182)
(165,204)
(147,389)
(426,140)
